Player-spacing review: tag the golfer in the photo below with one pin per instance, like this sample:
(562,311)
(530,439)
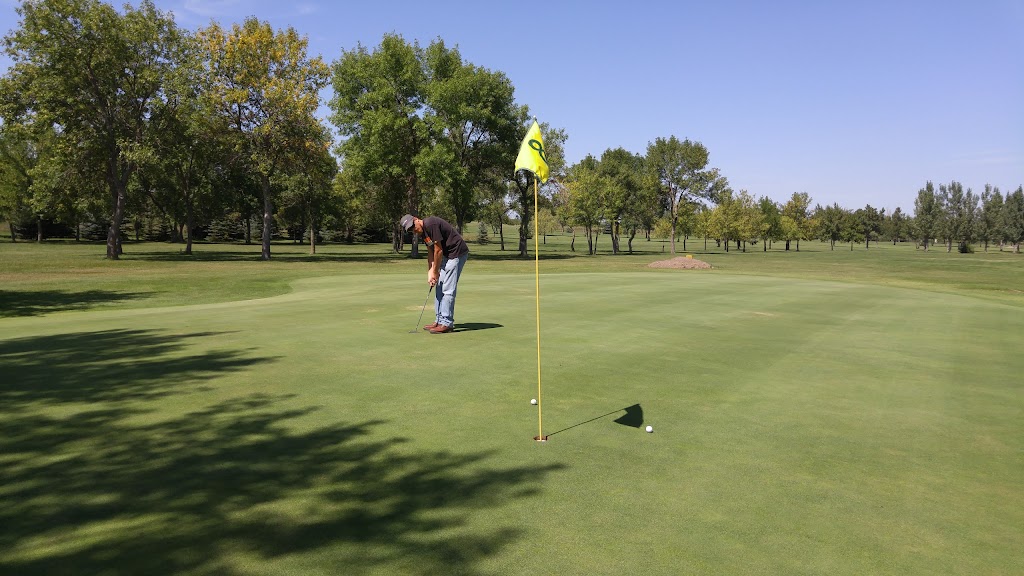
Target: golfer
(446,255)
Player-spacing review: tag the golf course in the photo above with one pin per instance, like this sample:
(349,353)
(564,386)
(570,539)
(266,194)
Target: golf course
(813,412)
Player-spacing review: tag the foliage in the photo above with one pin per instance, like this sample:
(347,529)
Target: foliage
(96,74)
(681,171)
(265,89)
(927,214)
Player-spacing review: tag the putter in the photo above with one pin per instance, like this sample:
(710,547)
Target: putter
(416,328)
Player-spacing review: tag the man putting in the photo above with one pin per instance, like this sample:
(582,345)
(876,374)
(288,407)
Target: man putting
(446,255)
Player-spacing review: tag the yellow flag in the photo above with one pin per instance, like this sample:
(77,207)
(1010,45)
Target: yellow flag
(531,154)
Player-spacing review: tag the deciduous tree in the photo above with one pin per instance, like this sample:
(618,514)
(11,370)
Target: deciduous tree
(95,73)
(266,88)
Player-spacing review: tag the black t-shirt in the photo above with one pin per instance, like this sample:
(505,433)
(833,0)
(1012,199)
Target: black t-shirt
(437,230)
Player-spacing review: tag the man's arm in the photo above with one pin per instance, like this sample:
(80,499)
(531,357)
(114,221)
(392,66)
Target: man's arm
(434,257)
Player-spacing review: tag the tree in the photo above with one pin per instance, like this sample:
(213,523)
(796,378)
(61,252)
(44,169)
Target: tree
(586,188)
(474,127)
(266,89)
(988,223)
(796,209)
(624,173)
(852,228)
(22,149)
(94,73)
(189,147)
(898,226)
(727,218)
(870,223)
(832,220)
(771,218)
(1013,218)
(752,223)
(927,213)
(310,192)
(680,168)
(958,213)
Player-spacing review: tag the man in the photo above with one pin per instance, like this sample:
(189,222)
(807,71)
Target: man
(446,255)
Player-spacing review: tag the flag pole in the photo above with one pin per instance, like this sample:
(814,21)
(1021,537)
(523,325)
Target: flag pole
(536,267)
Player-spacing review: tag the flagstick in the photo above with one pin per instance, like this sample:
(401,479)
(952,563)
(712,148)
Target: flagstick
(536,255)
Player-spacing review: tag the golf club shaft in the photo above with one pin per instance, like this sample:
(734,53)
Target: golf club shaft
(420,319)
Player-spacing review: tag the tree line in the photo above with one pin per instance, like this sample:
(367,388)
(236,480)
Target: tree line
(675,194)
(118,122)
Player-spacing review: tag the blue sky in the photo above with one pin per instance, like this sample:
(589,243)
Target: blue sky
(852,102)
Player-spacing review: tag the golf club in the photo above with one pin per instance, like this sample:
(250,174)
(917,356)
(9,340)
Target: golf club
(415,329)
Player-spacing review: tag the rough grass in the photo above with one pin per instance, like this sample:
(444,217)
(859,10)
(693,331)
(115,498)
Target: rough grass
(814,412)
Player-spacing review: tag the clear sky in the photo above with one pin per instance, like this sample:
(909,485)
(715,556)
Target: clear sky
(852,102)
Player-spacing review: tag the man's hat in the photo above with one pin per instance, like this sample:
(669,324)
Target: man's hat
(407,222)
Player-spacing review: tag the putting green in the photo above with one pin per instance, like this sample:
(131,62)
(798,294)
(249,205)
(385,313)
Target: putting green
(800,427)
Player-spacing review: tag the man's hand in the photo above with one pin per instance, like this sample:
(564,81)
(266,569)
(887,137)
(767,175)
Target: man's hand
(432,277)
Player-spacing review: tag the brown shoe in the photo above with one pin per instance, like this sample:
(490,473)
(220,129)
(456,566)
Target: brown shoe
(441,329)
(431,326)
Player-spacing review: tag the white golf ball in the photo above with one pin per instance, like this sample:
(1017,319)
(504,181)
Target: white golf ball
(650,428)
(534,401)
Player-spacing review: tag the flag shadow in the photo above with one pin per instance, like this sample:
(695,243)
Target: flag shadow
(634,418)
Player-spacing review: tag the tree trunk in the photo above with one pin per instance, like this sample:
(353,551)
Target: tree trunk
(268,216)
(312,235)
(572,243)
(630,242)
(114,232)
(189,225)
(501,235)
(14,235)
(787,245)
(39,229)
(672,238)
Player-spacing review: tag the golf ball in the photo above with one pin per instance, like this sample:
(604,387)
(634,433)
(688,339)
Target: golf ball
(534,401)
(650,428)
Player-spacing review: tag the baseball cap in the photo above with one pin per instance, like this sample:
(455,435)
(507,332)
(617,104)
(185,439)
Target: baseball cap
(408,221)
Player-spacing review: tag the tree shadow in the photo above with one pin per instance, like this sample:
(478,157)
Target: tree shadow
(227,255)
(108,366)
(37,302)
(515,257)
(102,473)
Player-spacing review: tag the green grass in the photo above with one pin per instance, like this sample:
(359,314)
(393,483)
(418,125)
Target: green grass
(820,412)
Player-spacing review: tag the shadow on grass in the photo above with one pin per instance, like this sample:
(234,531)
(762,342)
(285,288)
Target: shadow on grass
(221,255)
(103,472)
(470,326)
(107,366)
(37,302)
(634,418)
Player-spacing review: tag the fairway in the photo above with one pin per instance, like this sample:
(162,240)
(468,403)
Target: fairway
(801,426)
